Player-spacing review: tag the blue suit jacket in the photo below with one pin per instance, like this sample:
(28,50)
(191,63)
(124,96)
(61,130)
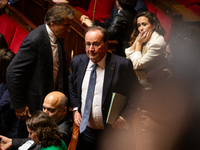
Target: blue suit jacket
(119,77)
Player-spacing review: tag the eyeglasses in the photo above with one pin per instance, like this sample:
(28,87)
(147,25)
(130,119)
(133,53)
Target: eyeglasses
(94,45)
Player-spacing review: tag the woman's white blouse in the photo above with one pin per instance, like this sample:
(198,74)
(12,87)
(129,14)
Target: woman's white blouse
(152,53)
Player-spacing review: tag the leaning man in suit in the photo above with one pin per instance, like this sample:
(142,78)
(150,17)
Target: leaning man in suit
(39,66)
(112,74)
(56,106)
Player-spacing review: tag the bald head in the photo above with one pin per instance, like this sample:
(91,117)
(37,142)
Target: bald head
(55,105)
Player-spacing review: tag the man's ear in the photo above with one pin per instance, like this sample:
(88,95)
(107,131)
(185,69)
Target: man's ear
(65,110)
(106,43)
(51,23)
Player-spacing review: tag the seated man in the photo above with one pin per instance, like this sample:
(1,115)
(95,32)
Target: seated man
(55,105)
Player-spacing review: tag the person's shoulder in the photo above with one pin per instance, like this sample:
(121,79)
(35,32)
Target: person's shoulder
(38,29)
(157,39)
(38,33)
(79,57)
(76,60)
(119,59)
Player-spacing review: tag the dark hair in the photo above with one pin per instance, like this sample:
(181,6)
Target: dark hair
(45,129)
(103,31)
(3,43)
(6,57)
(153,21)
(127,4)
(58,13)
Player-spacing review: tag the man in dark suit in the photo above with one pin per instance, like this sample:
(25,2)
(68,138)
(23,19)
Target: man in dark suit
(140,7)
(55,105)
(39,66)
(113,74)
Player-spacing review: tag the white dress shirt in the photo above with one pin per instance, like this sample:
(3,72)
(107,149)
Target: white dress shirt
(54,48)
(96,118)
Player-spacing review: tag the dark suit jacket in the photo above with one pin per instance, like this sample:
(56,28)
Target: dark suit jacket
(8,119)
(64,127)
(119,77)
(30,74)
(140,7)
(120,29)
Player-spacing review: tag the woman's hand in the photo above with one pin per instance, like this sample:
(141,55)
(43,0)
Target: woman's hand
(144,37)
(133,47)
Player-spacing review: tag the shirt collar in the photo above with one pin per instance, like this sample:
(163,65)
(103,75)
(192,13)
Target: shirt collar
(101,63)
(52,36)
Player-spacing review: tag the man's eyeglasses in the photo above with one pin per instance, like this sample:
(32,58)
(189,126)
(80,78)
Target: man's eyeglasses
(94,45)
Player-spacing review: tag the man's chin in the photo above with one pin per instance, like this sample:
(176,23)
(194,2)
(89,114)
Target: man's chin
(92,56)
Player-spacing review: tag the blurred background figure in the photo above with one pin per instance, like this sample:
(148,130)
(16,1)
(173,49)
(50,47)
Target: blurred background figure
(8,117)
(168,115)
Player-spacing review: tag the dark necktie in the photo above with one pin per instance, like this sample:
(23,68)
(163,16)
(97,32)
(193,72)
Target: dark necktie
(89,99)
(59,79)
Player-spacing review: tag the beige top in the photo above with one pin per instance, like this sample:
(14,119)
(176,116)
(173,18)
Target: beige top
(151,56)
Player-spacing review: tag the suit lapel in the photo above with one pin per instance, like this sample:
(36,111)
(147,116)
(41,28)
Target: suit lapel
(48,52)
(109,72)
(81,72)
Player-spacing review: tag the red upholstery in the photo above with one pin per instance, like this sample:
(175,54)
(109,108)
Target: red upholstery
(13,33)
(193,5)
(164,20)
(195,9)
(103,9)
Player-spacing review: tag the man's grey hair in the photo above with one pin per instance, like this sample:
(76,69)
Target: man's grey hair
(58,13)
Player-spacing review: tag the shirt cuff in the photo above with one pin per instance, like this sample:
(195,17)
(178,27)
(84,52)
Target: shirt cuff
(75,108)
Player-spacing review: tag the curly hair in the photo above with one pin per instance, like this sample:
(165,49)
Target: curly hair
(45,129)
(153,21)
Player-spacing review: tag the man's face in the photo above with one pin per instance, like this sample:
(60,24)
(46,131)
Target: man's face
(60,30)
(96,49)
(51,108)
